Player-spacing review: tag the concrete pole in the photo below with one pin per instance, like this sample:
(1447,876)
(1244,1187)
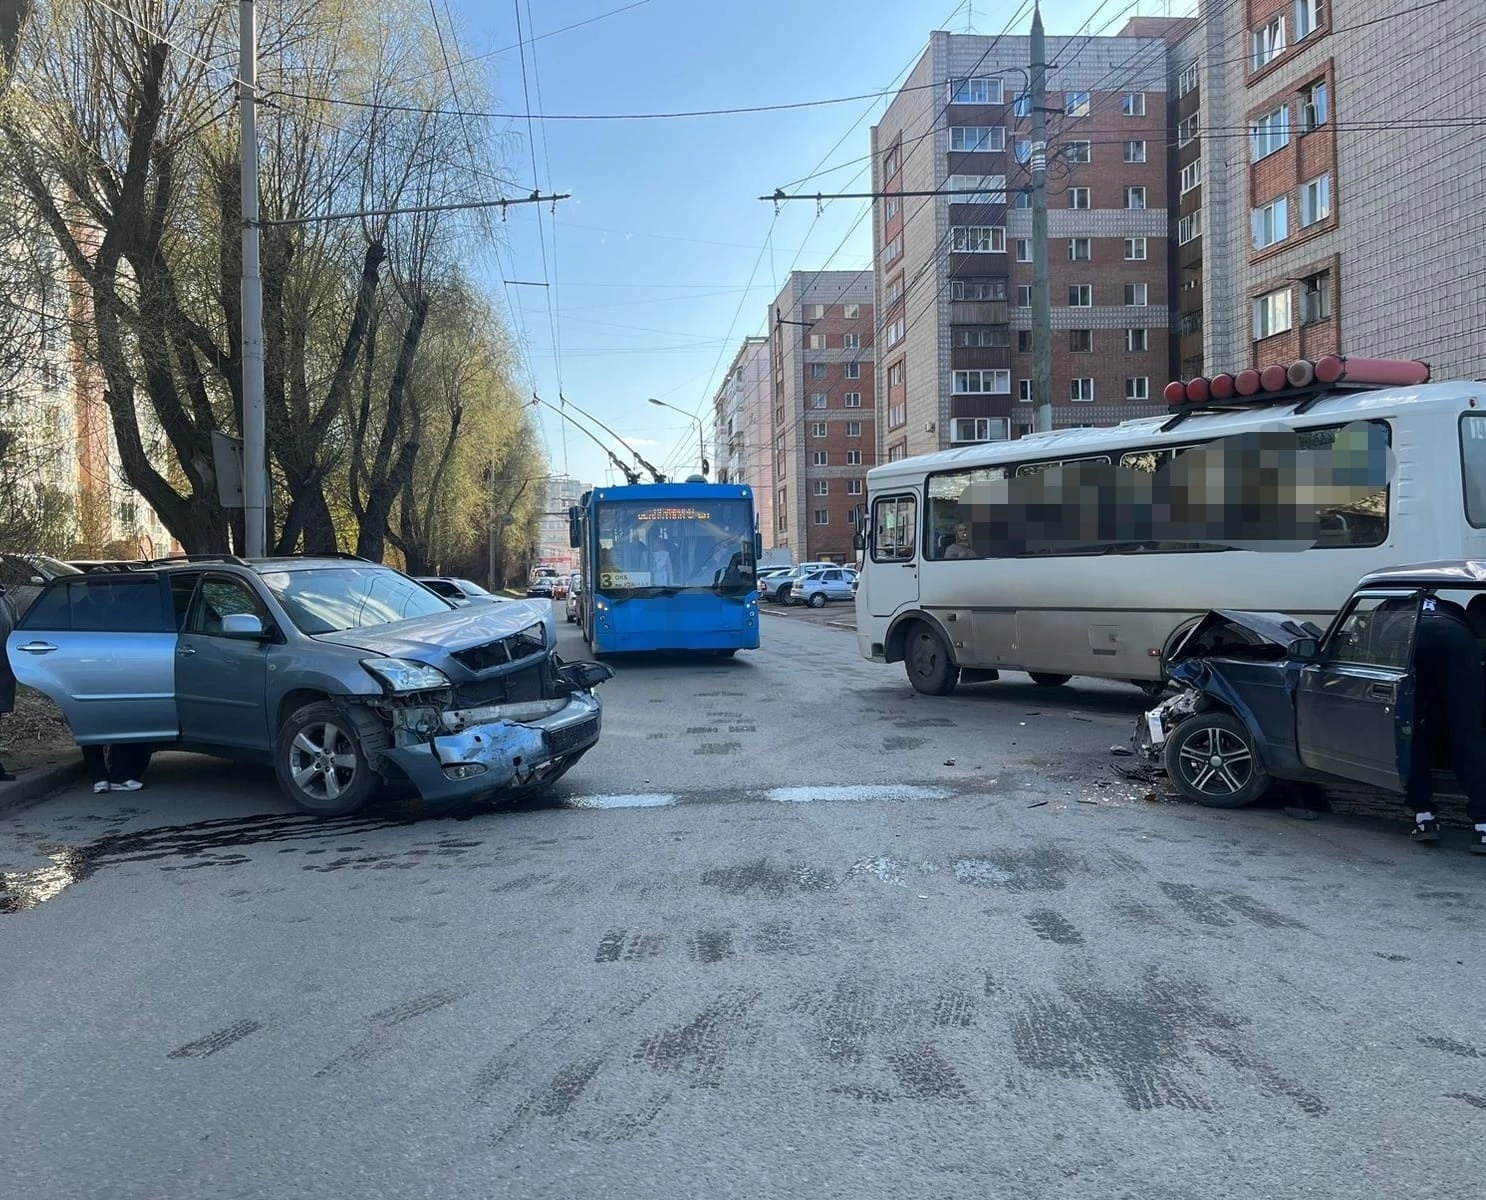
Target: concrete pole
(255,448)
(1042,317)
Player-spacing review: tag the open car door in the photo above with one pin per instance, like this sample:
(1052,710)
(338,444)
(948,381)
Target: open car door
(1354,704)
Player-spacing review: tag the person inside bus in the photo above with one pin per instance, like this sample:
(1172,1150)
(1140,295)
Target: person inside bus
(1450,691)
(960,547)
(662,572)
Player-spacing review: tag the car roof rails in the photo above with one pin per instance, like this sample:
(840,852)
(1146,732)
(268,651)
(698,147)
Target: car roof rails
(190,558)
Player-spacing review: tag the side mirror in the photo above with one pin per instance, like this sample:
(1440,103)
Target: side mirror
(586,675)
(1305,649)
(575,527)
(247,626)
(859,540)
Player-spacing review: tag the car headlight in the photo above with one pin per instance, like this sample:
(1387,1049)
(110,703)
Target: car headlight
(404,675)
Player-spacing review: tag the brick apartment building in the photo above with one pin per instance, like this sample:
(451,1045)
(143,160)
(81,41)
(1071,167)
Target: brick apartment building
(823,431)
(954,272)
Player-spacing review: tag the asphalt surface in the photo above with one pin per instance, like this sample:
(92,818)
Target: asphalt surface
(789,930)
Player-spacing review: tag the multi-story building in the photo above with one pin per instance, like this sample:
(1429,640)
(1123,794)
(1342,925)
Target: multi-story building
(954,255)
(742,429)
(823,427)
(560,493)
(1348,216)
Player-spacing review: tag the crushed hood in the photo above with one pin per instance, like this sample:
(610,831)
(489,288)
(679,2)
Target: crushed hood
(1233,634)
(430,639)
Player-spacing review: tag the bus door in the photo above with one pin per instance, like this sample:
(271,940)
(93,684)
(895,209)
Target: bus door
(891,576)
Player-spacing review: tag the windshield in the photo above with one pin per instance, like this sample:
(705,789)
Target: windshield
(649,549)
(326,600)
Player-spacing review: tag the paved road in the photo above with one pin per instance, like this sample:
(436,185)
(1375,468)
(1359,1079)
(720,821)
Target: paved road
(790,931)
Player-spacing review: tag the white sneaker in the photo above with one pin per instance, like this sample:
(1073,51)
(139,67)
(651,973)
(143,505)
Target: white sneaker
(102,785)
(129,785)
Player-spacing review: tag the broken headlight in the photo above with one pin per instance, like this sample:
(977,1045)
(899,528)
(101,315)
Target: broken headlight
(404,675)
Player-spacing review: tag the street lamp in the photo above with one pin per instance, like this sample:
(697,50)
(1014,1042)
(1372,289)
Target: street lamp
(701,441)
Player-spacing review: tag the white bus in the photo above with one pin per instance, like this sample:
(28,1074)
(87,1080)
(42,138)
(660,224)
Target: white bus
(1110,599)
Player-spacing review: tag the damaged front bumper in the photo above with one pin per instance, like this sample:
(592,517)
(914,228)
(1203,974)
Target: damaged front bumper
(477,752)
(1154,726)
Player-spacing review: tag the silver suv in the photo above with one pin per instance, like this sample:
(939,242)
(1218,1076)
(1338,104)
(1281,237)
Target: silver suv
(344,673)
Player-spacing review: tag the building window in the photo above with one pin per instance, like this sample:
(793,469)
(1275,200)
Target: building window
(1024,198)
(853,399)
(1315,200)
(1267,42)
(1076,104)
(1271,223)
(852,341)
(1136,294)
(1315,297)
(817,312)
(1187,80)
(1078,197)
(990,383)
(890,163)
(1135,152)
(977,137)
(1189,227)
(817,370)
(1024,250)
(894,288)
(1024,295)
(817,341)
(1081,295)
(822,487)
(890,207)
(1135,197)
(853,487)
(1308,15)
(895,330)
(1022,148)
(1081,341)
(853,458)
(822,516)
(852,312)
(853,429)
(897,452)
(1076,152)
(977,239)
(897,416)
(1022,107)
(1081,390)
(976,336)
(853,370)
(1138,388)
(977,429)
(895,375)
(1024,341)
(1079,250)
(977,289)
(818,458)
(1191,176)
(893,250)
(1136,340)
(1313,106)
(817,399)
(976,189)
(1271,132)
(1132,104)
(1135,249)
(1186,129)
(982,89)
(818,429)
(1272,313)
(1024,390)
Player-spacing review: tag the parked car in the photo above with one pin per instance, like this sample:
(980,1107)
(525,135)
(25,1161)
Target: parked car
(575,584)
(344,674)
(1265,696)
(541,586)
(778,588)
(764,574)
(24,575)
(559,589)
(462,592)
(818,588)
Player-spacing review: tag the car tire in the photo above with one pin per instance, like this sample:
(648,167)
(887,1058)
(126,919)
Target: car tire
(783,595)
(1236,780)
(1044,679)
(927,660)
(300,761)
(818,600)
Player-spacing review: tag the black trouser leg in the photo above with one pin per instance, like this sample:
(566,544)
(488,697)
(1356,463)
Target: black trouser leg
(1419,790)
(1465,715)
(95,759)
(130,761)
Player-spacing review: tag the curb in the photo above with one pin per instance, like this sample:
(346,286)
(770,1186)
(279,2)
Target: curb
(38,784)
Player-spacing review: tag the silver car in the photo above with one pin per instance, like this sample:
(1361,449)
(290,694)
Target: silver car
(345,674)
(462,591)
(575,586)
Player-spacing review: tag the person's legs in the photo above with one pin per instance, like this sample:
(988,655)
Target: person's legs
(1465,713)
(128,763)
(1419,788)
(95,762)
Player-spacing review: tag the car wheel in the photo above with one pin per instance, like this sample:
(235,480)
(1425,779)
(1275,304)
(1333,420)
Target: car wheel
(784,595)
(321,763)
(1043,679)
(818,600)
(927,660)
(1212,760)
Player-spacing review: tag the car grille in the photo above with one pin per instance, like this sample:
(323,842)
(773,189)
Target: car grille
(560,741)
(498,653)
(529,683)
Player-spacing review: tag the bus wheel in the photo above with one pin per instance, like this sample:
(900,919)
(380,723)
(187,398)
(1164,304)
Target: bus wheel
(927,660)
(1213,761)
(1043,679)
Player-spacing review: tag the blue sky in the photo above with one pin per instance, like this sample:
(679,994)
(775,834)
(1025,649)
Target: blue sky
(665,259)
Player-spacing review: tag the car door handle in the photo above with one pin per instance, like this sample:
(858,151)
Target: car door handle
(183,651)
(1381,691)
(37,648)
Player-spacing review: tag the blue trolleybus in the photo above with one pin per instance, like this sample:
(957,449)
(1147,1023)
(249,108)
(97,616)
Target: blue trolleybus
(667,567)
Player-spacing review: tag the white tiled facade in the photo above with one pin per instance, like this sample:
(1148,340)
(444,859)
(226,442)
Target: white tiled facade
(742,428)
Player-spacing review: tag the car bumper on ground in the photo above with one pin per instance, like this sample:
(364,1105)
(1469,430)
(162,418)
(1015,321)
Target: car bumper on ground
(498,755)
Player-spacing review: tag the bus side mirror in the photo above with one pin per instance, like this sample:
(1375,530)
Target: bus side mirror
(859,540)
(575,527)
(758,546)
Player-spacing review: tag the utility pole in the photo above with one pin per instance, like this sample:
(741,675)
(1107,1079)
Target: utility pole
(255,448)
(1042,316)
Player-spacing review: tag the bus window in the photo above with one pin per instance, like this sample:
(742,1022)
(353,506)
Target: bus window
(894,520)
(972,499)
(1473,467)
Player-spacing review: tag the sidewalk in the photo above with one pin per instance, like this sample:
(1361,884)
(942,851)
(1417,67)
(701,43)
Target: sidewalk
(37,747)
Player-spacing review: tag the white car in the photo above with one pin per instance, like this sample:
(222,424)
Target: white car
(819,588)
(463,592)
(575,584)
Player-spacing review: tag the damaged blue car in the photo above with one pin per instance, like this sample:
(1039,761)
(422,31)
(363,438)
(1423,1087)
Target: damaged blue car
(345,674)
(1266,697)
